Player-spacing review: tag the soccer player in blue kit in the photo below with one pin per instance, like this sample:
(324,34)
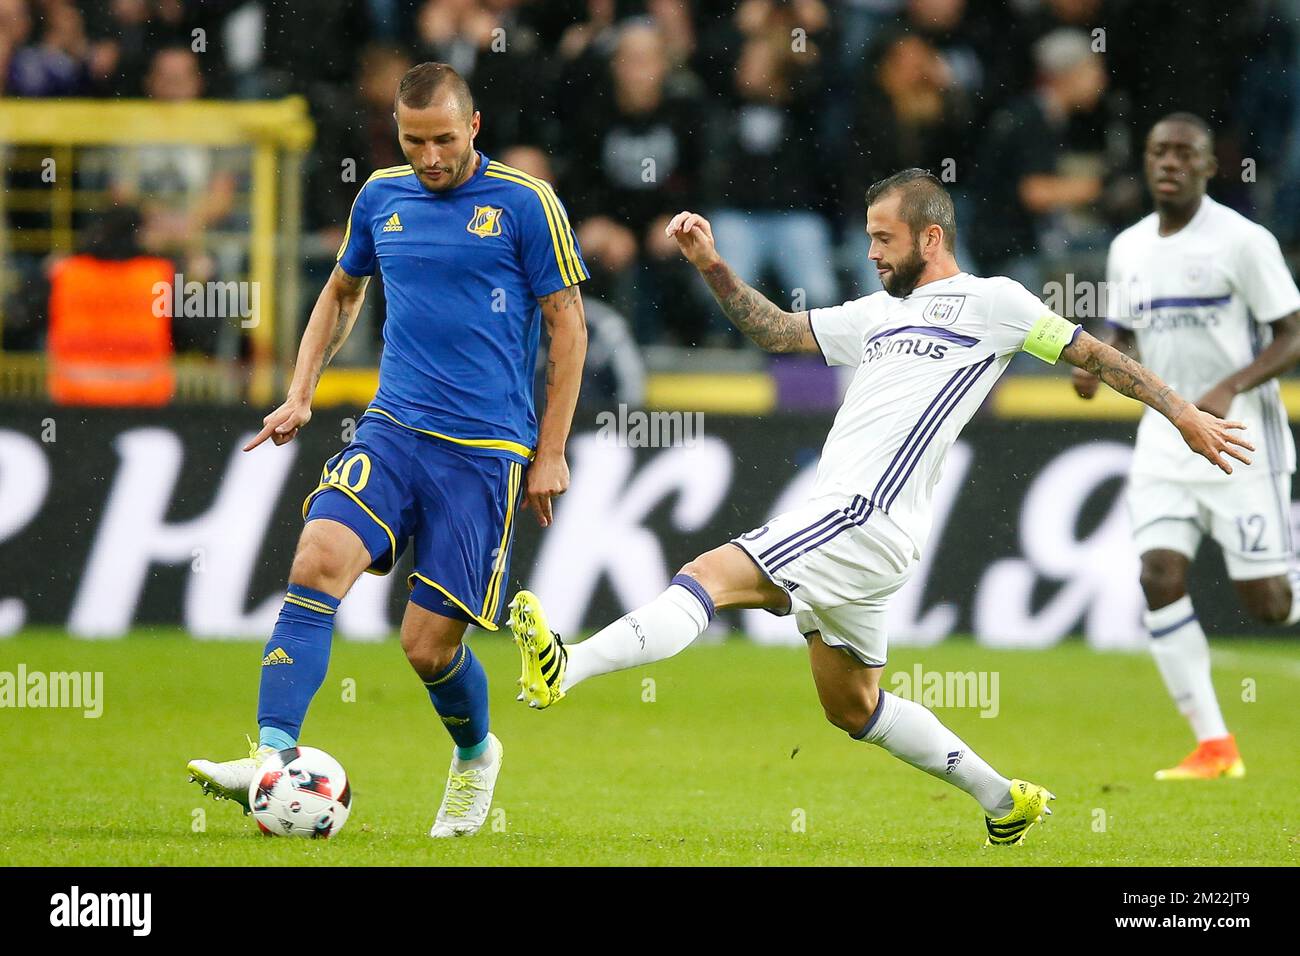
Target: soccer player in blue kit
(475,256)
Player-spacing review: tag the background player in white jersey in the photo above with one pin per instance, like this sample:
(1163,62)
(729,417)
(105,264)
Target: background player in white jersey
(1203,295)
(927,350)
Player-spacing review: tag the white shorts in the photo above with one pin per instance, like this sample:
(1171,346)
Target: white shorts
(838,570)
(1249,517)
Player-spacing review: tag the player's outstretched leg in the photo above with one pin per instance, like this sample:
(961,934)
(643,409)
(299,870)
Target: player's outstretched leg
(458,689)
(853,701)
(724,577)
(330,557)
(660,629)
(1182,655)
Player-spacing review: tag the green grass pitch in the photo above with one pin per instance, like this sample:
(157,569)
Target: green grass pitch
(721,767)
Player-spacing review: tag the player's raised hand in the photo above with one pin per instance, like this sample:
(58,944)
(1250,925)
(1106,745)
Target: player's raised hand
(694,237)
(1084,382)
(548,477)
(282,425)
(1211,437)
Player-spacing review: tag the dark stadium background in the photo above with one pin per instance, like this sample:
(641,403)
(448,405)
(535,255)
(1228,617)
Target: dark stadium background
(217,146)
(769,116)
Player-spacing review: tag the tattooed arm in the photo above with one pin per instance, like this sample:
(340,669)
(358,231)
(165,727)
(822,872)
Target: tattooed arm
(566,324)
(331,320)
(1204,433)
(1085,383)
(769,326)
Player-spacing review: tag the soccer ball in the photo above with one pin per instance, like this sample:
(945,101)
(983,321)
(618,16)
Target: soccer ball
(300,791)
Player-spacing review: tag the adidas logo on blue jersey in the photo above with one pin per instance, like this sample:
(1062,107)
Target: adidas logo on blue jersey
(394,224)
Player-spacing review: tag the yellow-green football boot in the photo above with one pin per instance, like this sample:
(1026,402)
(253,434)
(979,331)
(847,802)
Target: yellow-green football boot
(542,654)
(1029,806)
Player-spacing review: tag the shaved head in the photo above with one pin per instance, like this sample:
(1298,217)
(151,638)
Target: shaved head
(427,82)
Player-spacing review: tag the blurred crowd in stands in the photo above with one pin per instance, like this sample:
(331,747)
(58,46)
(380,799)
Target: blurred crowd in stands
(770,116)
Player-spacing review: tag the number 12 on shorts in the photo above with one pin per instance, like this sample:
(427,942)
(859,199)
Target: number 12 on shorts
(1251,528)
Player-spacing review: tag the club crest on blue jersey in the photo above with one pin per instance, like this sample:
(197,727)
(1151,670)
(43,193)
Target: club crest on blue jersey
(486,222)
(943,309)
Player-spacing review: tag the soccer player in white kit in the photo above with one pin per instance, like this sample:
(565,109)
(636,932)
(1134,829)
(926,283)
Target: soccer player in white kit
(1204,297)
(927,351)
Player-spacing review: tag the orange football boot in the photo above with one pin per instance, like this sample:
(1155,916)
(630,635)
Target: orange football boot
(1211,759)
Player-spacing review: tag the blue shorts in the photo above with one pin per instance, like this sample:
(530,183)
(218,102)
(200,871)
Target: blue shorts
(392,484)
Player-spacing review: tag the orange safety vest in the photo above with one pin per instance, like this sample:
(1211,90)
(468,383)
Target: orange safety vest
(106,346)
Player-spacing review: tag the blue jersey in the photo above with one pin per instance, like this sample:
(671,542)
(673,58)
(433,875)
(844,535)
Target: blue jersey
(463,270)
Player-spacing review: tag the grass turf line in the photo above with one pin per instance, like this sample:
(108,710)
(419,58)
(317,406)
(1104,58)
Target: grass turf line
(717,769)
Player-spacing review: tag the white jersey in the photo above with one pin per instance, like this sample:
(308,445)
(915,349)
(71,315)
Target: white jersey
(1199,303)
(924,365)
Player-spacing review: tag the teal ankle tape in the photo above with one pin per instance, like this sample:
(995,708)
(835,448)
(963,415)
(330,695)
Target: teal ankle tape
(469,753)
(275,738)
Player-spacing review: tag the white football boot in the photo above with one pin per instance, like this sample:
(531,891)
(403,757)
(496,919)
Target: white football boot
(230,779)
(468,797)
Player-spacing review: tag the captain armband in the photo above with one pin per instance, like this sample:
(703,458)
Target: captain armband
(1049,337)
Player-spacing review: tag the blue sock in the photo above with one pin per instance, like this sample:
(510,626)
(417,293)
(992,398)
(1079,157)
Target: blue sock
(459,695)
(294,665)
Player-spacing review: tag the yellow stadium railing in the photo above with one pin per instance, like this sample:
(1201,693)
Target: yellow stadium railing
(277,133)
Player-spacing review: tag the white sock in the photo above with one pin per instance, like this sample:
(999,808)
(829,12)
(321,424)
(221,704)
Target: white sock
(914,735)
(1294,616)
(1183,656)
(661,629)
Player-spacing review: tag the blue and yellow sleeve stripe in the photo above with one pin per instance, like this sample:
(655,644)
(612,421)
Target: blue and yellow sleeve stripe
(567,261)
(389,172)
